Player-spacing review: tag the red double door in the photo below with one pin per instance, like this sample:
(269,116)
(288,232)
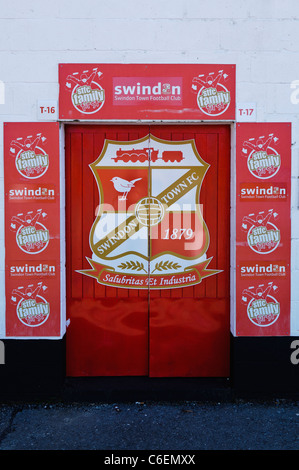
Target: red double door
(169,332)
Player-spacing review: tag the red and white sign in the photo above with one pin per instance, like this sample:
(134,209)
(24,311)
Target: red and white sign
(263,229)
(146,91)
(32,229)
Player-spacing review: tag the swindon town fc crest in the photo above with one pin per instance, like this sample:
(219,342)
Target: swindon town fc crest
(149,229)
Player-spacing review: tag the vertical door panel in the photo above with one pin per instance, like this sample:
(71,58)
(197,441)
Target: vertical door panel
(108,327)
(189,327)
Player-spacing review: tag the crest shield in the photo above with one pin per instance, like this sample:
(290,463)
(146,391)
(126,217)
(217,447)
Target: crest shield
(149,229)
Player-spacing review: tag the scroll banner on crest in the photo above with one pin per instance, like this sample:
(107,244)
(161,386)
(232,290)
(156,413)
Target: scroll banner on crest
(191,276)
(147,91)
(32,229)
(263,229)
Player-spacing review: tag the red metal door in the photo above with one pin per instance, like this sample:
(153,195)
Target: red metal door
(163,332)
(189,327)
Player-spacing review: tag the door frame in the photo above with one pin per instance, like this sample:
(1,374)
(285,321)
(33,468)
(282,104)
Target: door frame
(230,125)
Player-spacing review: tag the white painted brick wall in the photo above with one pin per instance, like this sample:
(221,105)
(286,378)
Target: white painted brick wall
(260,37)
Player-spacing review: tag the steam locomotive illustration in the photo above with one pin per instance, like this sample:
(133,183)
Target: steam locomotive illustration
(147,154)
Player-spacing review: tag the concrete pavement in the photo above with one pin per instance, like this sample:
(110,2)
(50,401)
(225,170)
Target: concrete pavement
(155,426)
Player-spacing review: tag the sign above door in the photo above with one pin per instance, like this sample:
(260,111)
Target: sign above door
(172,92)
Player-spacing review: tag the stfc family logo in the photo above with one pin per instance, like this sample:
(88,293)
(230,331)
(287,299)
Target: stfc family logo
(263,236)
(32,236)
(31,307)
(31,159)
(87,95)
(213,98)
(263,160)
(263,309)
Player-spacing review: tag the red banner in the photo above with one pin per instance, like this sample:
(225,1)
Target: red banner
(263,229)
(191,276)
(147,91)
(32,229)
